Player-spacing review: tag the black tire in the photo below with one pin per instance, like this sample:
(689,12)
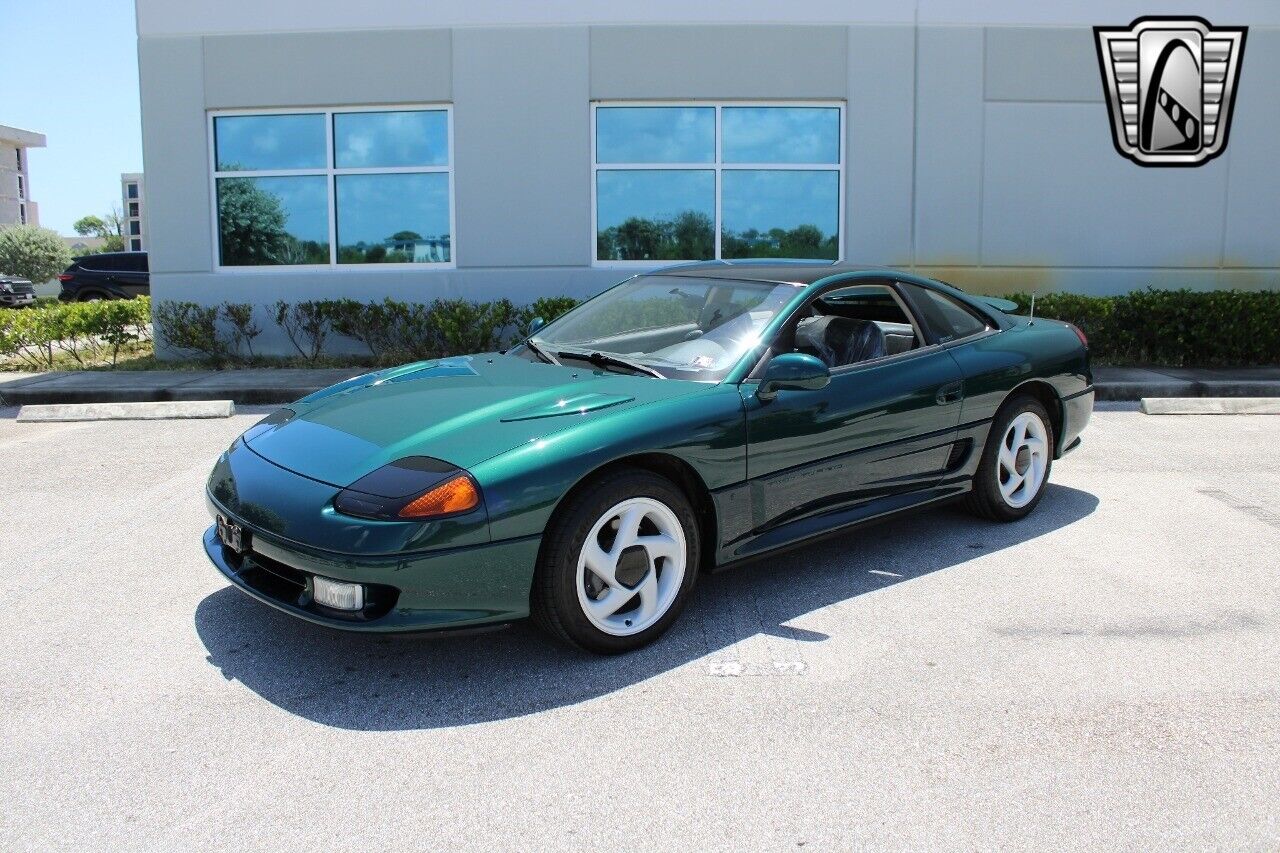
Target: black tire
(554,602)
(985,499)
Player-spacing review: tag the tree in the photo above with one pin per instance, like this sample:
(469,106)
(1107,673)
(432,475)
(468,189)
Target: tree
(252,224)
(109,228)
(34,253)
(406,236)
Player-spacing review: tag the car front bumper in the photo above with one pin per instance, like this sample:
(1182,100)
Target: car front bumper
(17,300)
(449,589)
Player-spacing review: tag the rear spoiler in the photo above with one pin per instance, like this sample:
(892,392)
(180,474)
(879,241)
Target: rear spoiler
(1008,306)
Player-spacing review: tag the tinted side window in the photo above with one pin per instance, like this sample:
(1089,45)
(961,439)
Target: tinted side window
(105,263)
(945,315)
(135,261)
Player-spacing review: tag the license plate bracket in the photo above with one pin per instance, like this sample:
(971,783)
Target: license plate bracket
(233,535)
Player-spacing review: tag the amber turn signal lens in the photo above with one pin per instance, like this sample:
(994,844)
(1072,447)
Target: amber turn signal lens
(457,495)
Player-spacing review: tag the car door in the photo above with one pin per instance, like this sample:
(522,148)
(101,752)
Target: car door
(132,278)
(877,437)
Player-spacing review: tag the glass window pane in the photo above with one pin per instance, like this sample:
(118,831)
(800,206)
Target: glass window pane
(245,143)
(653,214)
(393,219)
(273,221)
(780,214)
(780,134)
(417,138)
(948,319)
(655,134)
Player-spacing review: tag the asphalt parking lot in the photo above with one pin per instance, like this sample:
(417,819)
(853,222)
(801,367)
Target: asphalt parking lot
(1102,675)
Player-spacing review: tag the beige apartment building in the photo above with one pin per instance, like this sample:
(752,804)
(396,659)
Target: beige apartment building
(16,206)
(133,222)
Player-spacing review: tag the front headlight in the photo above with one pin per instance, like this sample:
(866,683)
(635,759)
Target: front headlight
(6,287)
(409,489)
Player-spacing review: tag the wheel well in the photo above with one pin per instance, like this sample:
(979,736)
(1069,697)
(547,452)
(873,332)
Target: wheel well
(1048,397)
(680,473)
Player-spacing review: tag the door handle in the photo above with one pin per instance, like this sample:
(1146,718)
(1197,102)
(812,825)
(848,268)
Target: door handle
(951,393)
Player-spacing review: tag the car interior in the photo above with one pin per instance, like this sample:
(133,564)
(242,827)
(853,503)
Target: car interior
(856,324)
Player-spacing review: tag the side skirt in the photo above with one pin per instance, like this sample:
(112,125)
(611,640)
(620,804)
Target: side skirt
(817,528)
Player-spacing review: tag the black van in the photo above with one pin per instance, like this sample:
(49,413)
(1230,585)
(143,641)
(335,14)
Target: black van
(109,275)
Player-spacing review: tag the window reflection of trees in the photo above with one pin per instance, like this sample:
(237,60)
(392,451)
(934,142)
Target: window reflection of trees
(690,236)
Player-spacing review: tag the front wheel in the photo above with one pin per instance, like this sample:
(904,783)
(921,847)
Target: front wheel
(618,563)
(1015,462)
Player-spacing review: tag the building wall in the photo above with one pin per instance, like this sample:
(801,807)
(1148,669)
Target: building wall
(978,153)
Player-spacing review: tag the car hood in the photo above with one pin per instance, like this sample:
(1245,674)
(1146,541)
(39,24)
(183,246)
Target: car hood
(463,410)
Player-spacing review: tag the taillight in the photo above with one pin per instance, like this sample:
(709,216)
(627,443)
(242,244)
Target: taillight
(1079,334)
(65,277)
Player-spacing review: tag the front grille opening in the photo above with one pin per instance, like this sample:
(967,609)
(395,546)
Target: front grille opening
(292,587)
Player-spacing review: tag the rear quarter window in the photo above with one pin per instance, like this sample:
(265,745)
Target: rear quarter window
(946,316)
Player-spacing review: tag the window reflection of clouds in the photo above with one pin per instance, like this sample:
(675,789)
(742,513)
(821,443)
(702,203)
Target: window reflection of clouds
(305,201)
(652,194)
(655,134)
(270,142)
(765,199)
(373,208)
(391,139)
(780,135)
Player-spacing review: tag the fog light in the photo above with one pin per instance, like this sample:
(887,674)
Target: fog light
(339,596)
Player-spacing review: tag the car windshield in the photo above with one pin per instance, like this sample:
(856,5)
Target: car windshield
(680,327)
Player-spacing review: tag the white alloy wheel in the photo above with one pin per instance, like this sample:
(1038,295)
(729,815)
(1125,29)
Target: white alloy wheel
(1023,459)
(631,566)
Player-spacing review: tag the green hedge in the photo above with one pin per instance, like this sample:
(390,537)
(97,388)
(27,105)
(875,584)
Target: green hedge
(1175,328)
(79,334)
(393,332)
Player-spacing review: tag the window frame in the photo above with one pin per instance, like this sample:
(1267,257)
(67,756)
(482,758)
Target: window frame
(718,166)
(330,173)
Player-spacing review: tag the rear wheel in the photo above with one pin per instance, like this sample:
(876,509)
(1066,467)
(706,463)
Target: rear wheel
(1015,462)
(618,563)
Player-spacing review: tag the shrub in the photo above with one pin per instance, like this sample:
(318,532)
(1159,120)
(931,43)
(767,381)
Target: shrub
(32,336)
(464,327)
(368,323)
(34,253)
(191,329)
(239,316)
(306,324)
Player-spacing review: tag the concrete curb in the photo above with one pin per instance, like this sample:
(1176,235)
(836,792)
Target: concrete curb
(1210,406)
(126,411)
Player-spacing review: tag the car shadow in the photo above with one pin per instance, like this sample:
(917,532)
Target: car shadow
(364,682)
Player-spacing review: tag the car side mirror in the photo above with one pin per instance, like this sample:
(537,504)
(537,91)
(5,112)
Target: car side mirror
(535,324)
(792,371)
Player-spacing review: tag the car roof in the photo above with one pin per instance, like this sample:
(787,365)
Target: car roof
(781,271)
(108,255)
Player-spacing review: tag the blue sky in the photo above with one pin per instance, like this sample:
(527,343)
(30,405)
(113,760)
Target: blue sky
(74,78)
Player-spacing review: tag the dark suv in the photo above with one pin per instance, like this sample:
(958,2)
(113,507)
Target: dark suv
(109,275)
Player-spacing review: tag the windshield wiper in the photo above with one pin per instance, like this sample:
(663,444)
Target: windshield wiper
(608,358)
(537,350)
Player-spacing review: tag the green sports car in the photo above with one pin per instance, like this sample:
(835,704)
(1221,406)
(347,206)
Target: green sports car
(682,421)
